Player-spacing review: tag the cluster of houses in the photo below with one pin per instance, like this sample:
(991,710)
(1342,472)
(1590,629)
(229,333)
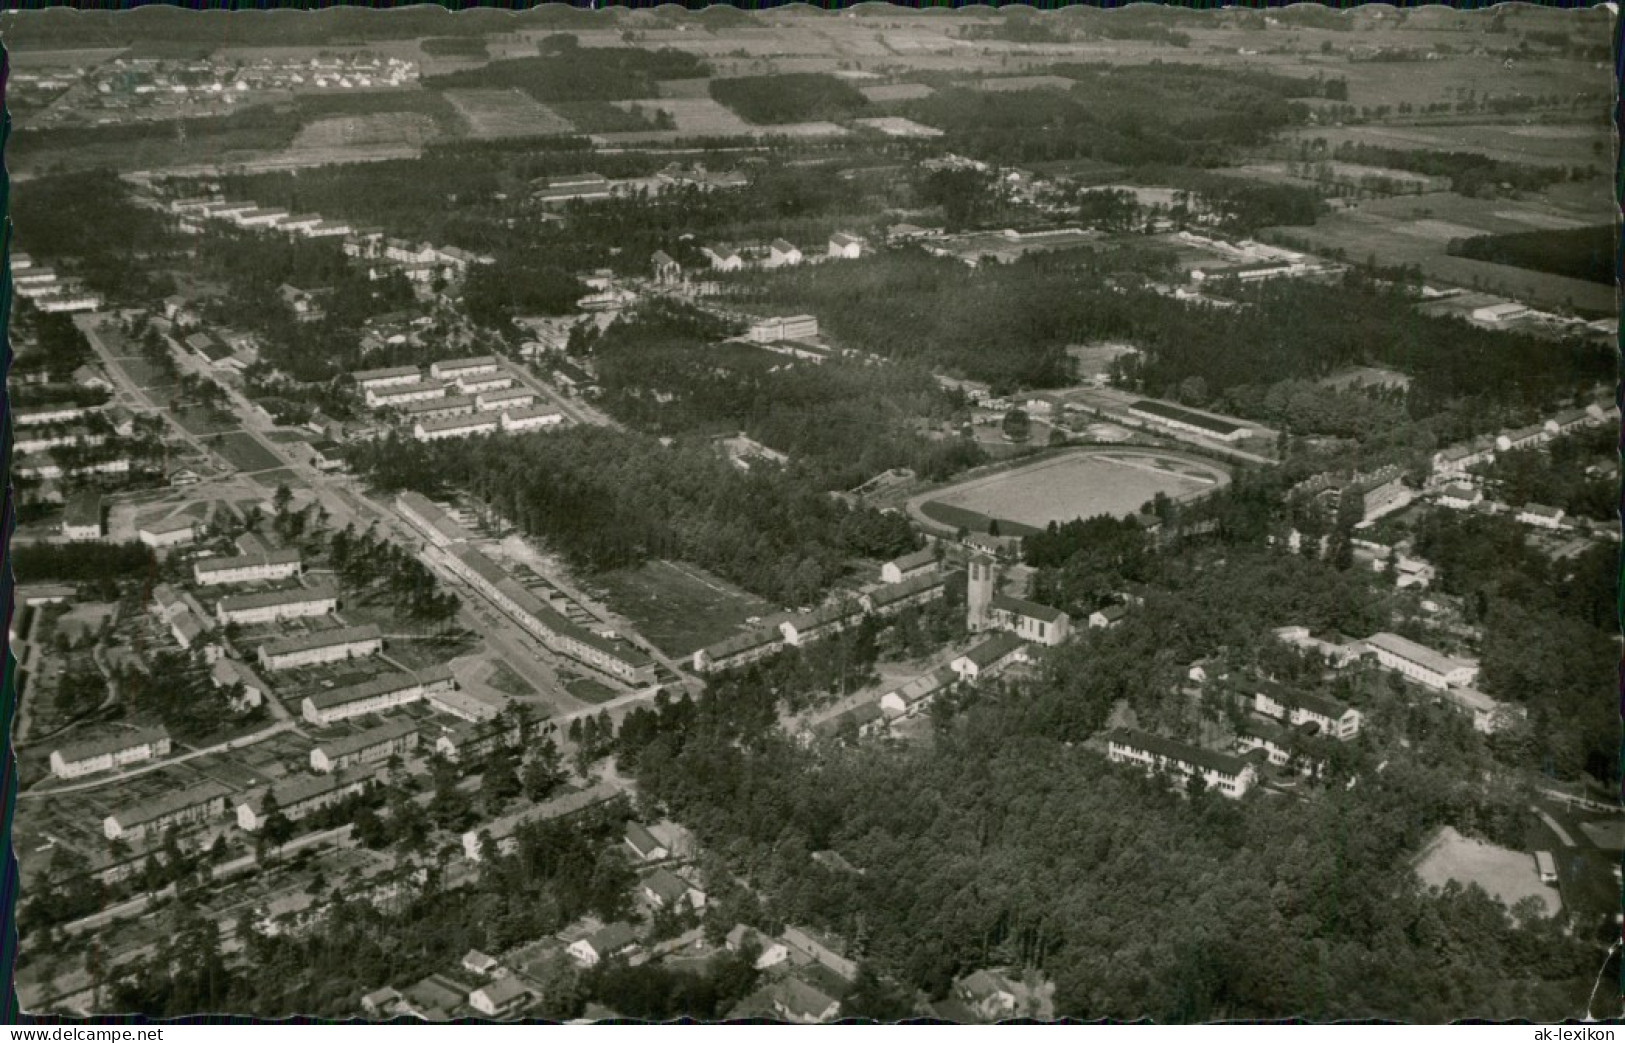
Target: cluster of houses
(600,650)
(204,78)
(46,291)
(461,398)
(779,253)
(1455,487)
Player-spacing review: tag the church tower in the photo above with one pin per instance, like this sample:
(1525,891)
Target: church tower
(979,593)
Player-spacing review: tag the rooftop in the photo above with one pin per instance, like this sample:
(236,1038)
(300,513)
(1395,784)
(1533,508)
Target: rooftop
(1184,416)
(322,639)
(168,804)
(994,649)
(366,690)
(294,596)
(366,740)
(88,748)
(286,556)
(1211,760)
(1423,656)
(1030,609)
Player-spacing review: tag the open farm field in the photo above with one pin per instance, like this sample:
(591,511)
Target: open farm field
(394,129)
(1079,484)
(505,114)
(1534,144)
(693,116)
(677,606)
(1422,242)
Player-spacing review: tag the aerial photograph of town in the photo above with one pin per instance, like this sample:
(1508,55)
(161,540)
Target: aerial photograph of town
(815,515)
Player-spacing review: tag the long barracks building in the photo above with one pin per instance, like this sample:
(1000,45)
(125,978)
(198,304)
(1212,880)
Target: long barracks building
(616,658)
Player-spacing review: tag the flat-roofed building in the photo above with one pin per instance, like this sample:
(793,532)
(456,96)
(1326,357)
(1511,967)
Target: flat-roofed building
(186,807)
(109,752)
(1223,772)
(265,567)
(276,605)
(323,646)
(1420,663)
(396,738)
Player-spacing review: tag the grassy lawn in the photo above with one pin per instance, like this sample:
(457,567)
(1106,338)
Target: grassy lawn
(974,521)
(280,476)
(504,679)
(677,606)
(203,422)
(244,452)
(146,375)
(590,691)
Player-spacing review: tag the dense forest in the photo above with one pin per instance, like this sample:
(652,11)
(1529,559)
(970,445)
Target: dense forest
(1557,475)
(1471,174)
(789,97)
(1132,115)
(1008,841)
(663,371)
(567,72)
(1575,253)
(607,499)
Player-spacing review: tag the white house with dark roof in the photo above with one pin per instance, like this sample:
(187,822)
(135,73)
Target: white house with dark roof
(781,253)
(1223,772)
(1459,496)
(1541,516)
(1284,703)
(607,942)
(108,752)
(643,844)
(989,657)
(915,563)
(846,246)
(1420,663)
(324,646)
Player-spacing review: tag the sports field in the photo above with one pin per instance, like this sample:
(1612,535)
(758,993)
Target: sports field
(1080,484)
(1507,876)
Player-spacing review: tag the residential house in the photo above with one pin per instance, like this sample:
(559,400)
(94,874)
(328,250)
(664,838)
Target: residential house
(1523,438)
(277,605)
(476,962)
(919,589)
(154,817)
(919,693)
(1285,703)
(1541,516)
(396,376)
(455,427)
(108,752)
(1108,617)
(822,949)
(1459,496)
(643,844)
(801,1003)
(324,646)
(603,944)
(665,890)
(395,396)
(514,421)
(918,563)
(861,719)
(268,566)
(299,797)
(666,270)
(772,952)
(1488,715)
(821,622)
(428,518)
(739,650)
(988,994)
(990,657)
(498,835)
(501,998)
(781,253)
(228,672)
(846,246)
(723,258)
(82,517)
(378,695)
(395,739)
